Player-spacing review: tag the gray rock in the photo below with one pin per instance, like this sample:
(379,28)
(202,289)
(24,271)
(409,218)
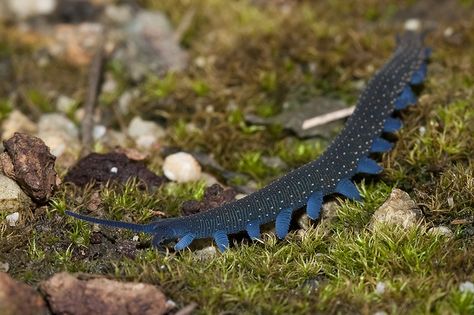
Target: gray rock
(293,116)
(12,198)
(151,46)
(399,209)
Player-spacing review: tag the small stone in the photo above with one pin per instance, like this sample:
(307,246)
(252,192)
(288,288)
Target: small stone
(126,100)
(12,198)
(467,287)
(380,288)
(28,8)
(304,221)
(448,32)
(145,133)
(99,131)
(206,253)
(150,46)
(109,85)
(274,162)
(380,313)
(57,123)
(68,295)
(59,133)
(119,14)
(412,25)
(441,231)
(114,170)
(181,167)
(209,179)
(12,219)
(65,104)
(76,43)
(4,266)
(451,202)
(17,122)
(399,209)
(18,298)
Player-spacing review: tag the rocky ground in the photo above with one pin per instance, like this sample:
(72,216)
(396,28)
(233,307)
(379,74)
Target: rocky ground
(140,110)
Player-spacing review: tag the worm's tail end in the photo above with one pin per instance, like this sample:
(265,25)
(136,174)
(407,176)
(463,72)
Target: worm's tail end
(117,224)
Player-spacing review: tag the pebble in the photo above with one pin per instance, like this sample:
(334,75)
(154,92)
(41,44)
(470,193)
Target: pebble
(181,167)
(12,198)
(126,99)
(412,24)
(65,104)
(380,288)
(145,133)
(206,253)
(151,46)
(441,231)
(399,209)
(119,14)
(466,287)
(27,8)
(12,219)
(17,122)
(4,266)
(99,131)
(75,43)
(58,133)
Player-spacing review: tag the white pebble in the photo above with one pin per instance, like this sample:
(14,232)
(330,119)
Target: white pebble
(441,231)
(114,170)
(13,218)
(99,131)
(135,238)
(4,266)
(412,25)
(65,104)
(451,202)
(145,133)
(181,167)
(466,287)
(380,288)
(422,130)
(448,32)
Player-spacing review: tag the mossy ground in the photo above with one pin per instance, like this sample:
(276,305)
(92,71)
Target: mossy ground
(256,57)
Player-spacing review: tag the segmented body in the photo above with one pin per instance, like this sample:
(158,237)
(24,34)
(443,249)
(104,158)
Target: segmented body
(387,91)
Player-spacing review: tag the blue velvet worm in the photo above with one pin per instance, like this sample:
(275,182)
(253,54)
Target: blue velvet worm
(349,153)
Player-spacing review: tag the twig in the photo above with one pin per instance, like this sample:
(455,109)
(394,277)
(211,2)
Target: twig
(184,25)
(327,118)
(95,78)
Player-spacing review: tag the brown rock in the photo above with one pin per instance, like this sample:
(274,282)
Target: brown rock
(33,166)
(69,295)
(19,299)
(399,209)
